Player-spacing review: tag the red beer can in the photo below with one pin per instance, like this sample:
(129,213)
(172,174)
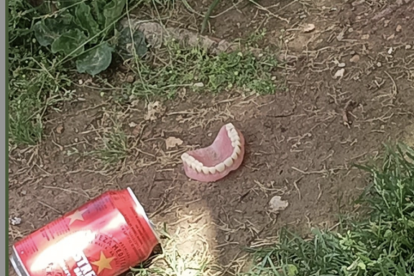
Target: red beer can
(104,237)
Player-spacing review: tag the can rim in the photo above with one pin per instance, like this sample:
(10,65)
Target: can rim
(14,264)
(142,212)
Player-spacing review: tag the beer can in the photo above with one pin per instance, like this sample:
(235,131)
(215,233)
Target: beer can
(104,237)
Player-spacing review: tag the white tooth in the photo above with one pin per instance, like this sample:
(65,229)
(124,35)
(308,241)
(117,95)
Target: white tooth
(212,170)
(235,144)
(205,170)
(234,137)
(220,167)
(184,156)
(229,127)
(237,150)
(228,162)
(198,168)
(191,159)
(234,156)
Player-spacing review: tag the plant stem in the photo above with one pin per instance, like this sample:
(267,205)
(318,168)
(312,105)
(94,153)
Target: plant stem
(207,16)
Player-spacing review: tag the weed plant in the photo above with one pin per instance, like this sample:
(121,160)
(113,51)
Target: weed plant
(380,244)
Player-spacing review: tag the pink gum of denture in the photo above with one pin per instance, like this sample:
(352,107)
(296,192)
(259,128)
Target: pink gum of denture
(223,149)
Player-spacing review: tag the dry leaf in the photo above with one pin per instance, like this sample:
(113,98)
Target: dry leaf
(171,142)
(276,204)
(309,28)
(154,109)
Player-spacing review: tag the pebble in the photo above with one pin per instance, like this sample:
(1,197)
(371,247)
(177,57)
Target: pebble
(354,59)
(339,73)
(398,29)
(130,79)
(408,47)
(16,221)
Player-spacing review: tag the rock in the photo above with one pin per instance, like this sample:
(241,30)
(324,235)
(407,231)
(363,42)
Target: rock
(276,204)
(60,129)
(309,28)
(339,74)
(354,59)
(172,142)
(15,221)
(398,29)
(130,79)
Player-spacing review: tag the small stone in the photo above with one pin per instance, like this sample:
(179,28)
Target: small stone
(309,28)
(132,124)
(379,64)
(339,74)
(15,221)
(390,50)
(130,79)
(60,129)
(391,37)
(80,82)
(398,29)
(350,30)
(23,192)
(408,47)
(365,36)
(341,65)
(354,59)
(276,204)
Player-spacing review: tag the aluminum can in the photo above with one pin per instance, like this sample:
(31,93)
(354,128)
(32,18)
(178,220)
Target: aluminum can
(104,237)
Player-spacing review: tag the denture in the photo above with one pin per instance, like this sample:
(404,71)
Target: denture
(216,161)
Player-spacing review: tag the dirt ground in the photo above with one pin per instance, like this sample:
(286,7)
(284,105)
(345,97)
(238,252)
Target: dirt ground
(301,143)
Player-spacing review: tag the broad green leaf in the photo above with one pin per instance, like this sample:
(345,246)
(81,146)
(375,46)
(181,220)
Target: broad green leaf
(98,7)
(48,30)
(96,60)
(127,46)
(67,3)
(113,11)
(85,20)
(70,43)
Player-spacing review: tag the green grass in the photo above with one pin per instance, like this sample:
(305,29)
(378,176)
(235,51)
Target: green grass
(379,244)
(114,147)
(195,69)
(35,83)
(41,76)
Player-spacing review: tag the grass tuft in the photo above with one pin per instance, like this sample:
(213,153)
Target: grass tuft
(194,68)
(380,244)
(114,147)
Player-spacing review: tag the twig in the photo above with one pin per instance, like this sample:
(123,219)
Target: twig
(394,85)
(50,207)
